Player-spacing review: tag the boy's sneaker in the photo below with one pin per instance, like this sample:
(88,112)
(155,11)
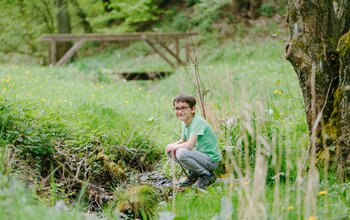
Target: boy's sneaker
(192,178)
(204,181)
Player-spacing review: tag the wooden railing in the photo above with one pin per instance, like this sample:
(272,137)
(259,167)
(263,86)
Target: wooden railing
(153,39)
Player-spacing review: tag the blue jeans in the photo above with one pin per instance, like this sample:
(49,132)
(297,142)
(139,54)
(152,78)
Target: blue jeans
(195,161)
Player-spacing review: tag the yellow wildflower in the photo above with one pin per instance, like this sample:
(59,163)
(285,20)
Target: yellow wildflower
(290,208)
(312,217)
(278,92)
(322,193)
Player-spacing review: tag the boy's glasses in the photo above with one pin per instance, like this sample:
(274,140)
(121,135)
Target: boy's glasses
(183,108)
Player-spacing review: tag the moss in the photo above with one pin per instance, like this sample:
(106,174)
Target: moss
(332,126)
(344,44)
(329,135)
(111,166)
(141,201)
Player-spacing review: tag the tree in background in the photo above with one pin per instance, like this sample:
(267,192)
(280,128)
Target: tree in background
(319,50)
(21,24)
(63,25)
(247,8)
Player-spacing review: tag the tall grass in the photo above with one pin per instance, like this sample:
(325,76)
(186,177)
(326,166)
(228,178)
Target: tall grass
(261,123)
(262,180)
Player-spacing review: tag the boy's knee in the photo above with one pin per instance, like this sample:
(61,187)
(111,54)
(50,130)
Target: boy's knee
(170,155)
(182,154)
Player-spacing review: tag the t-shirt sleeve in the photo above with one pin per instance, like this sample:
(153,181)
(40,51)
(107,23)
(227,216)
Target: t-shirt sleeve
(198,129)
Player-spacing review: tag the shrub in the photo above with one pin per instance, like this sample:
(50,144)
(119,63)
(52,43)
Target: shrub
(267,10)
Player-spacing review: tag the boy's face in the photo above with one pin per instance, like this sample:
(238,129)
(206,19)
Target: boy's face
(183,111)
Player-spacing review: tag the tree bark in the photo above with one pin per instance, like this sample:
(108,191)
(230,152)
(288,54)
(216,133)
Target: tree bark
(63,25)
(341,113)
(321,67)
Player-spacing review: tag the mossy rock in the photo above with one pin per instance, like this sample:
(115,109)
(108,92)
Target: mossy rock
(140,201)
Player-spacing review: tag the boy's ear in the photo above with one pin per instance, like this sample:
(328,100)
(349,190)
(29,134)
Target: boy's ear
(193,109)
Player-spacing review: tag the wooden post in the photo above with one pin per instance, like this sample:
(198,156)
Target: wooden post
(52,52)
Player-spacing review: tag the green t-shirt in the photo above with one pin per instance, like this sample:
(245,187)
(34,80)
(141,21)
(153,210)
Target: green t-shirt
(207,141)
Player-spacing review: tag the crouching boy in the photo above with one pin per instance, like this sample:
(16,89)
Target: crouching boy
(197,150)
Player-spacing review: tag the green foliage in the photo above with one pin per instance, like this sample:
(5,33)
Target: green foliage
(191,2)
(18,201)
(128,15)
(267,10)
(207,12)
(35,124)
(31,133)
(22,24)
(200,17)
(134,12)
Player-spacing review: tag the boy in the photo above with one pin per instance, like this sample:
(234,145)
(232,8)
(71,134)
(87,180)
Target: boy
(197,150)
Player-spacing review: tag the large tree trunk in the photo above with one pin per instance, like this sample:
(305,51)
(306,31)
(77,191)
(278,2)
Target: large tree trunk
(63,26)
(342,111)
(323,72)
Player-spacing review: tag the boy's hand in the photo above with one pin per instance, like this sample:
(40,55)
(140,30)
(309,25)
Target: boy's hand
(170,147)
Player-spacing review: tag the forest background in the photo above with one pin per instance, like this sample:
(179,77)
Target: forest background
(79,141)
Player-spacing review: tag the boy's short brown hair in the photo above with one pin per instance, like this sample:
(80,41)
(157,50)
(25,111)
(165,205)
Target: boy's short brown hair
(189,99)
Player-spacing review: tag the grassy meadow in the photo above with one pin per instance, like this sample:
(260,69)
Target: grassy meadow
(253,101)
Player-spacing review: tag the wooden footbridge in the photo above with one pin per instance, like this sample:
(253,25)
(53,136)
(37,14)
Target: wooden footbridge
(155,40)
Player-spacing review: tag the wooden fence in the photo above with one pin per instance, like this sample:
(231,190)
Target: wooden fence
(153,39)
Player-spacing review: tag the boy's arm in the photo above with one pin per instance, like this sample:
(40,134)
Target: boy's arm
(182,144)
(179,141)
